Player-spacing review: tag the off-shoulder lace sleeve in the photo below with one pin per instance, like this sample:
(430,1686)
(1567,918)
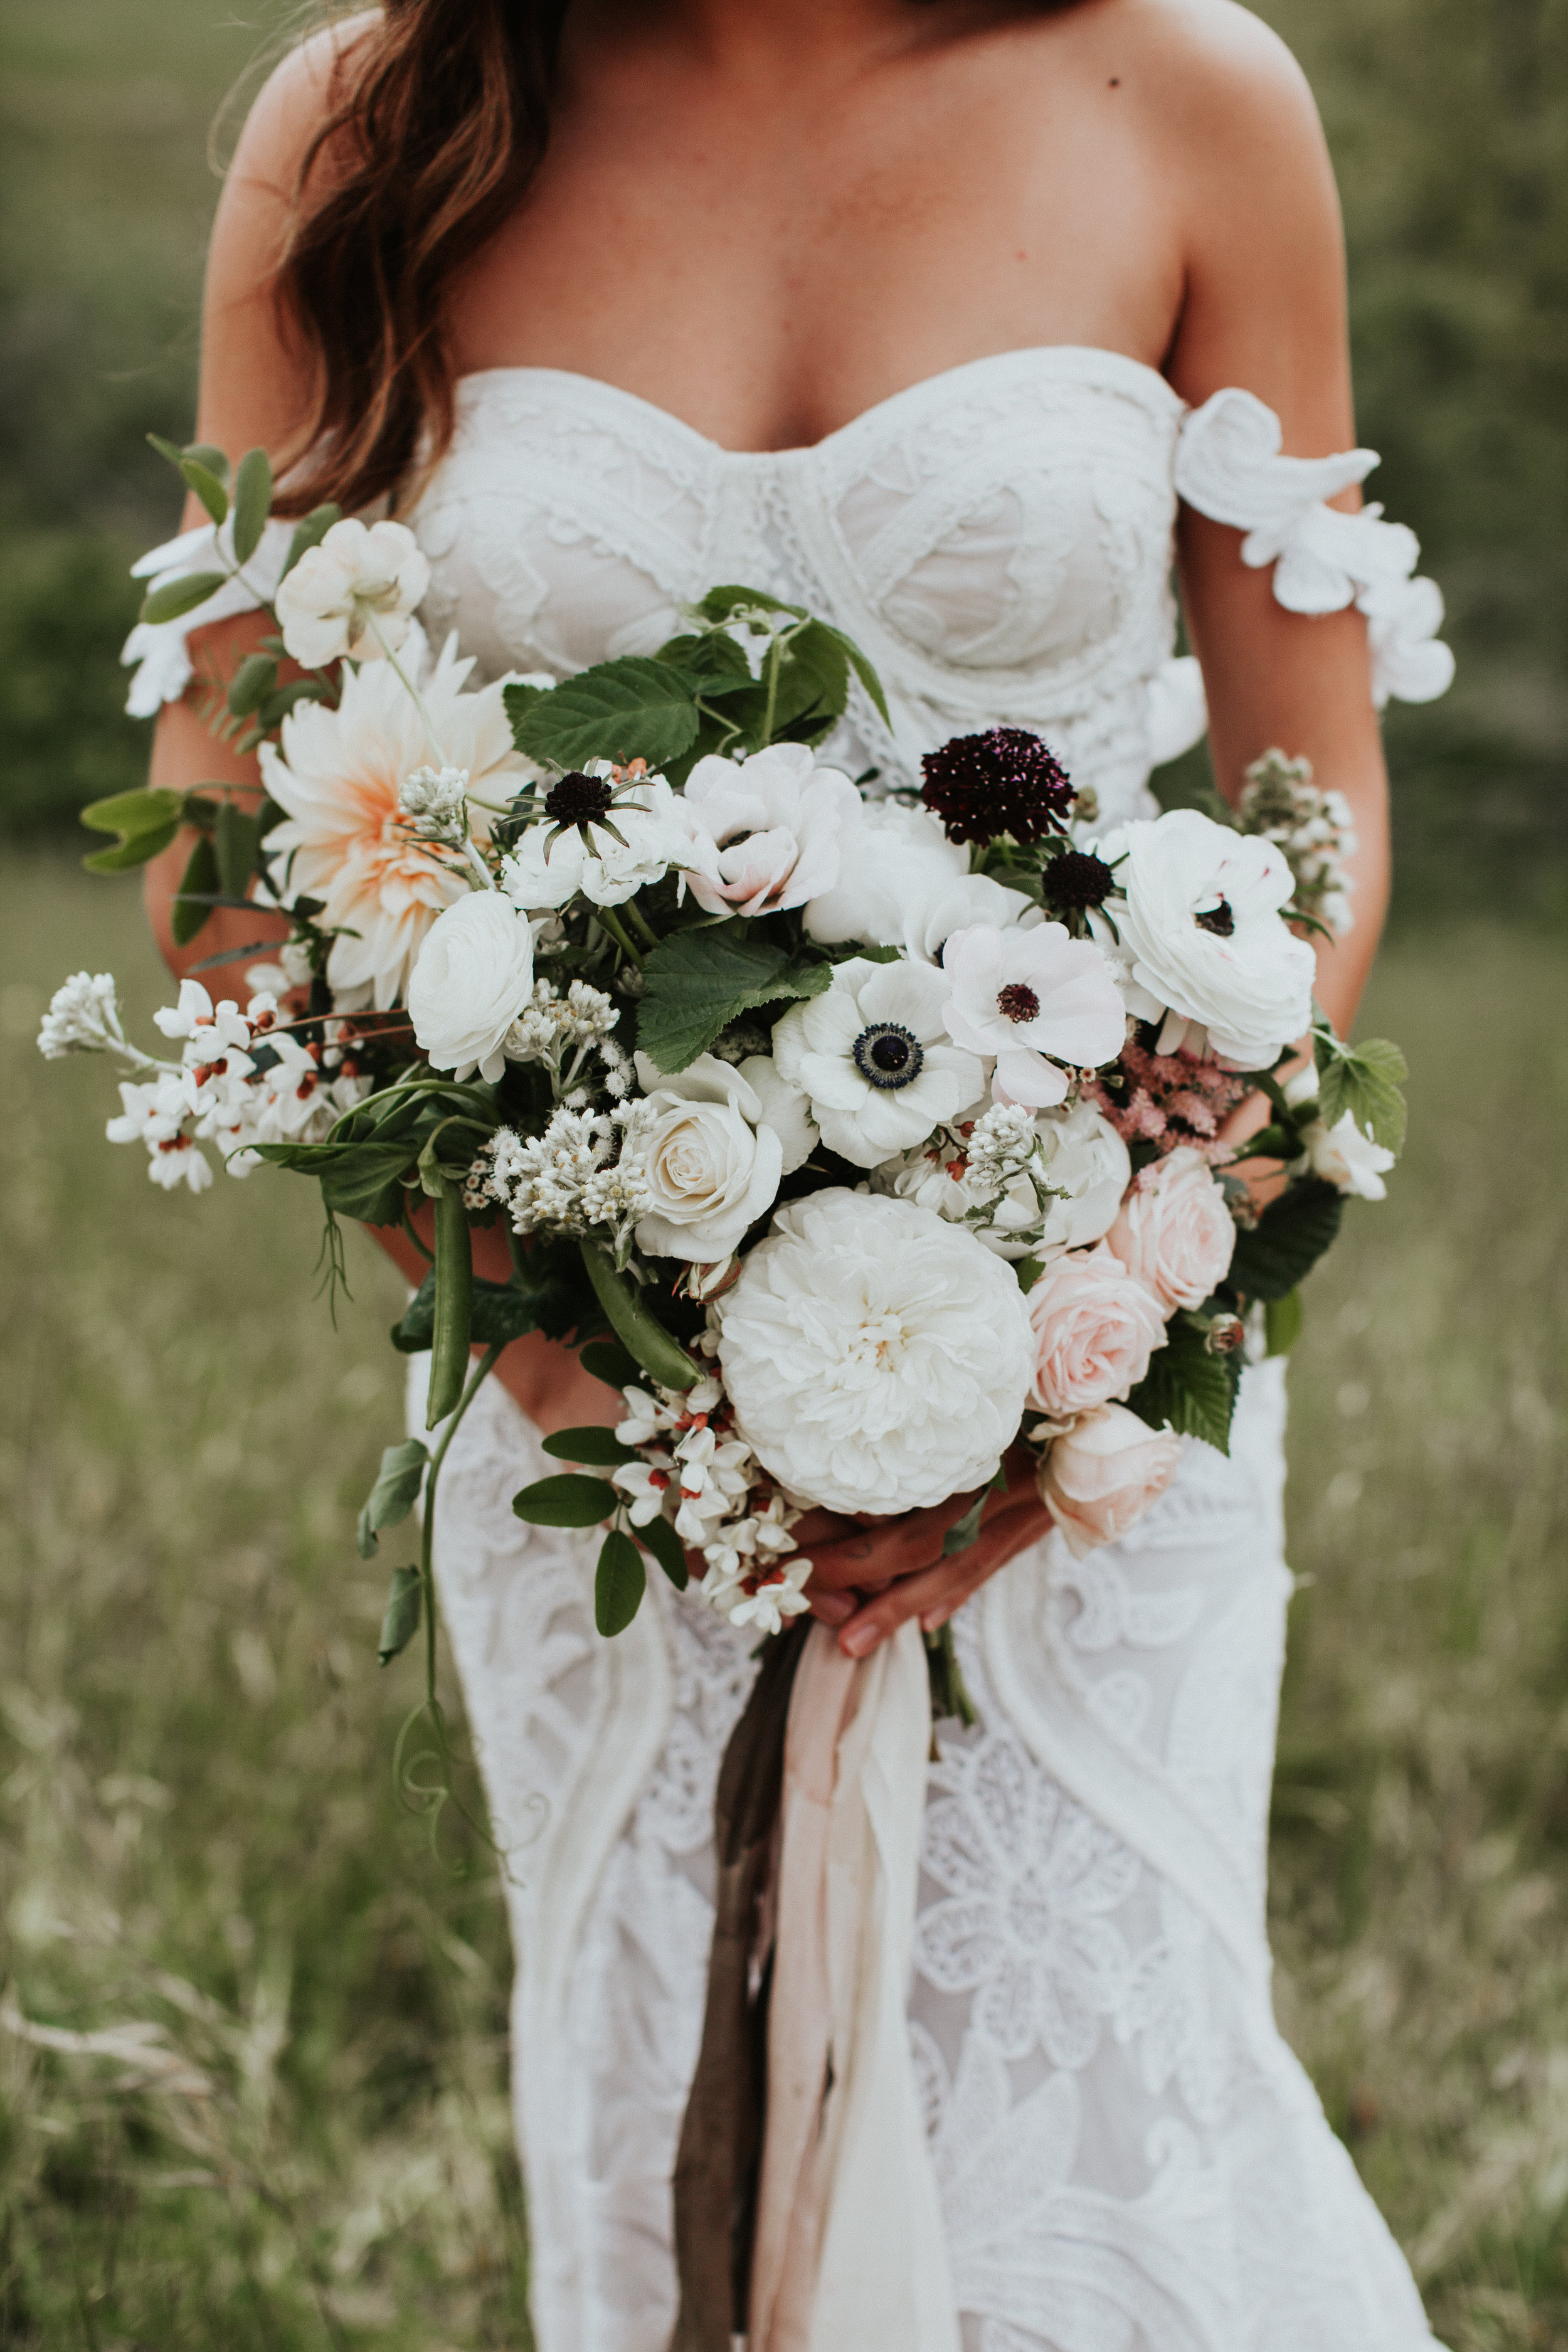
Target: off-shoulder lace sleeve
(158,648)
(1229,466)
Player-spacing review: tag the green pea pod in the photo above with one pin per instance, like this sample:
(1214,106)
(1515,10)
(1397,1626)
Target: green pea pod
(454,1305)
(648,1341)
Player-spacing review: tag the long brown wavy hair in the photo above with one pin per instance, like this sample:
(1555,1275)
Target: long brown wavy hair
(438,120)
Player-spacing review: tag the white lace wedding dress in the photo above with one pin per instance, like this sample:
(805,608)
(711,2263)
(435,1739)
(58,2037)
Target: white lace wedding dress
(1127,2157)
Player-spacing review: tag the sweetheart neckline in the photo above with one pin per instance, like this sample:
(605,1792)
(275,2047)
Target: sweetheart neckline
(1113,362)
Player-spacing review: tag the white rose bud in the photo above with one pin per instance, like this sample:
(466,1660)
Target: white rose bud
(474,976)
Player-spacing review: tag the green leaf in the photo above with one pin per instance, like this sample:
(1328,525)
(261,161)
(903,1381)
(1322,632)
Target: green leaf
(178,597)
(394,1492)
(252,682)
(1287,1240)
(404,1607)
(252,503)
(207,487)
(700,980)
(1366,1081)
(309,533)
(519,699)
(620,1581)
(669,1550)
(610,1362)
(635,708)
(647,1340)
(1029,1271)
(236,842)
(167,449)
(596,1446)
(567,1501)
(363,1184)
(865,673)
(965,1531)
(207,454)
(1188,1390)
(146,822)
(501,1312)
(814,675)
(278,706)
(201,880)
(720,604)
(1282,1319)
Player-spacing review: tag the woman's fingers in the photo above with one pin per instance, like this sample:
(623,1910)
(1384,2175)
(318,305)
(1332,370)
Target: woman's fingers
(875,1555)
(933,1593)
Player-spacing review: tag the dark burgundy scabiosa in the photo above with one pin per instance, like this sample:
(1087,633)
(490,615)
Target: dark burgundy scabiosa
(1075,880)
(578,799)
(1005,780)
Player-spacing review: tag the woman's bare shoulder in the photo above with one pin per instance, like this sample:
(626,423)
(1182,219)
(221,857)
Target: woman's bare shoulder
(297,101)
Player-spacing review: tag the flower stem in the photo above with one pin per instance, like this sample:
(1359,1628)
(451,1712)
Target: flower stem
(611,922)
(418,699)
(640,924)
(481,1372)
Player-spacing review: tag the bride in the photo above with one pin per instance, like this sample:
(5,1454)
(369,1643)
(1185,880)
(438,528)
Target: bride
(953,319)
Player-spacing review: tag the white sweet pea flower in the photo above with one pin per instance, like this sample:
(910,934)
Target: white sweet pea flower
(194,1012)
(474,976)
(873,1055)
(1203,939)
(1024,996)
(770,1601)
(156,1115)
(776,825)
(709,1159)
(359,574)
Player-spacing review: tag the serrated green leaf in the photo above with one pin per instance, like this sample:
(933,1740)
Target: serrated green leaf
(569,1501)
(178,597)
(698,981)
(394,1492)
(200,881)
(501,1311)
(252,502)
(1187,1390)
(597,1447)
(668,1550)
(1366,1081)
(620,1581)
(518,698)
(405,1608)
(722,604)
(207,487)
(310,533)
(1288,1240)
(635,708)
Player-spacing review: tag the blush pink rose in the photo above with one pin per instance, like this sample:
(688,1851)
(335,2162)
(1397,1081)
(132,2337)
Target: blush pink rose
(1100,1479)
(1173,1229)
(1095,1327)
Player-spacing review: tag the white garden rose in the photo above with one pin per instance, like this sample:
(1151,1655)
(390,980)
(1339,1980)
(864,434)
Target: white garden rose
(877,1359)
(474,976)
(710,1162)
(903,883)
(873,1057)
(1202,936)
(361,580)
(771,829)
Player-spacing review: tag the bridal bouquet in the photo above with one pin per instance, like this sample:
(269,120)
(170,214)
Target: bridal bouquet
(855,1141)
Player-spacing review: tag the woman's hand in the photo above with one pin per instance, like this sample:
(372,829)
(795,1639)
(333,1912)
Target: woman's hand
(869,1576)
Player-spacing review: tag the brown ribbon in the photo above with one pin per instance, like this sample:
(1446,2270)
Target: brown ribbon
(720,2154)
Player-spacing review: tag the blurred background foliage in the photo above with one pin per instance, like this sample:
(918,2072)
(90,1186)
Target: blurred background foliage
(287,2123)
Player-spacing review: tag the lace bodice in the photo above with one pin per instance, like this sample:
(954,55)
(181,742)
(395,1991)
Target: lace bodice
(998,538)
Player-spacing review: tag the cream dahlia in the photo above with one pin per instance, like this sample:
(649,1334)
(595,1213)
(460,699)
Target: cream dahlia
(877,1359)
(349,842)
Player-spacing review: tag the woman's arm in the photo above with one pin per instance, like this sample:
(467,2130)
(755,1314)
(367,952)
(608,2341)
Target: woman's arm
(257,389)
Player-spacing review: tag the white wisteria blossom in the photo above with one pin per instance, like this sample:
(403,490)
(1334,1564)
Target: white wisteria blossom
(84,1018)
(354,594)
(872,1056)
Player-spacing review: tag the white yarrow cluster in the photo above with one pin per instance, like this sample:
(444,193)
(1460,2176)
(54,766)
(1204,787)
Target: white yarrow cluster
(585,1171)
(551,1026)
(1315,829)
(436,801)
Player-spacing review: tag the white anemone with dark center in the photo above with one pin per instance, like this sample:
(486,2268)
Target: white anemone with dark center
(873,1057)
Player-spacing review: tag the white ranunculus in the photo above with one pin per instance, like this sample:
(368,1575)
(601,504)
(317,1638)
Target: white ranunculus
(1084,1159)
(1023,996)
(474,975)
(1202,937)
(873,1057)
(772,829)
(903,883)
(875,1359)
(339,774)
(711,1162)
(361,579)
(550,865)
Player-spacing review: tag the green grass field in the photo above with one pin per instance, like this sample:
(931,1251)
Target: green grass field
(300,2136)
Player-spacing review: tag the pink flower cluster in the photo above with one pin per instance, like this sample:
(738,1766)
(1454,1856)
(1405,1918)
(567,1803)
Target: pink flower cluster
(1170,1099)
